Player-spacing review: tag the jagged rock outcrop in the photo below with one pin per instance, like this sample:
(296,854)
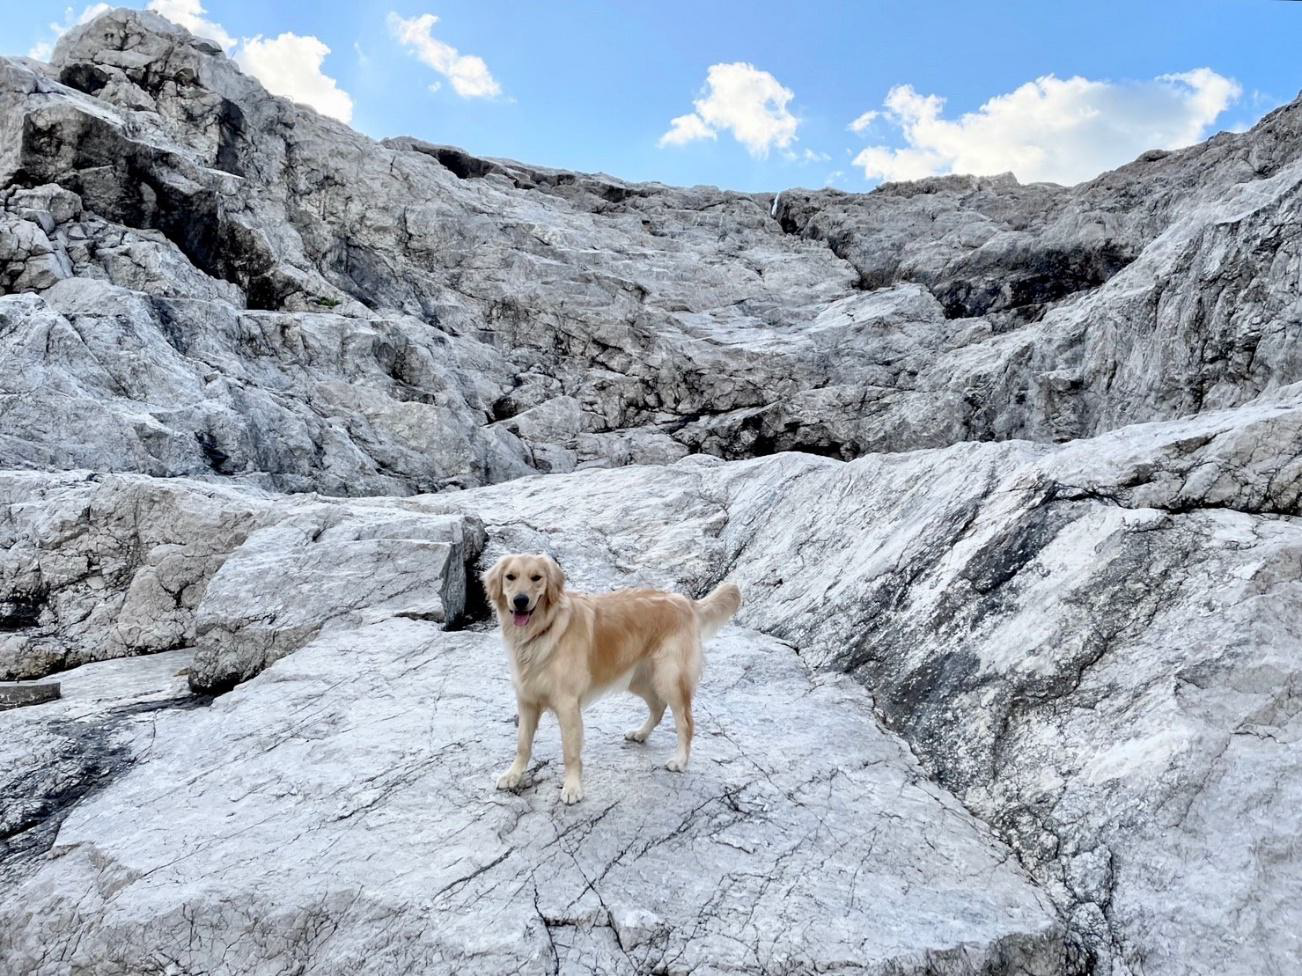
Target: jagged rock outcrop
(95,568)
(299,333)
(1092,646)
(1064,559)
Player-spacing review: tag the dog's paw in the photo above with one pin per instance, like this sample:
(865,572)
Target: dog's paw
(676,765)
(571,793)
(509,780)
(635,735)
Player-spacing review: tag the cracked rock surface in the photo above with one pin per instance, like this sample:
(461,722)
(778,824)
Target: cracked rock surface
(97,568)
(53,756)
(1010,476)
(1091,647)
(337,814)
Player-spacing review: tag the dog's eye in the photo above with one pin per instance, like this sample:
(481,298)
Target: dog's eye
(510,576)
(535,578)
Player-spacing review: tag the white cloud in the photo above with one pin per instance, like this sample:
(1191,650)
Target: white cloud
(290,65)
(685,129)
(741,99)
(863,121)
(42,50)
(190,15)
(805,156)
(1059,130)
(468,74)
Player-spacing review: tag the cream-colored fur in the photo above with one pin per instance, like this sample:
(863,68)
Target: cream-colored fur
(567,649)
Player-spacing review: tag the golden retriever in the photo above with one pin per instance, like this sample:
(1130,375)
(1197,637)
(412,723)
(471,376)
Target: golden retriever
(567,649)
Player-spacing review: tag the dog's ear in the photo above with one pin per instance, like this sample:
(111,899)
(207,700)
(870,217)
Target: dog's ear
(555,577)
(492,580)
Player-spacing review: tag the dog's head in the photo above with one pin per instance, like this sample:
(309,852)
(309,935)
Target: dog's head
(521,586)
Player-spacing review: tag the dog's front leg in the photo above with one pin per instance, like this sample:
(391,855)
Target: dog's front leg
(570,717)
(529,712)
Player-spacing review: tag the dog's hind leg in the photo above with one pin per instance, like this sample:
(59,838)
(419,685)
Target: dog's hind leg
(675,684)
(686,727)
(655,705)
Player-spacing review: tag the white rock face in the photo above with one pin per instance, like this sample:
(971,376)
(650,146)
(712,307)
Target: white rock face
(1014,688)
(97,568)
(201,279)
(320,567)
(338,813)
(1090,646)
(54,755)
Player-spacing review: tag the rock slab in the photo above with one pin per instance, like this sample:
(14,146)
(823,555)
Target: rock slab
(338,814)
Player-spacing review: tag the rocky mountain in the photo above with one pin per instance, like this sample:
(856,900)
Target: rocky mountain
(1011,477)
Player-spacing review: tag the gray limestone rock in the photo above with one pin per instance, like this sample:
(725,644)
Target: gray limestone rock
(546,320)
(337,814)
(1015,686)
(324,566)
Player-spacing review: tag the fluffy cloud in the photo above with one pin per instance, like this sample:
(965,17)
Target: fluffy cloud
(1053,129)
(468,74)
(741,99)
(290,65)
(190,15)
(685,129)
(863,121)
(42,50)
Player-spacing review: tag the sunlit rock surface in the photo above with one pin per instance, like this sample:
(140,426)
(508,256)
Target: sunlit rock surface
(1015,688)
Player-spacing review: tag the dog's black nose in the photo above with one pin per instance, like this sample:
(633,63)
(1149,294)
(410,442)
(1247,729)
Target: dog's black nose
(521,601)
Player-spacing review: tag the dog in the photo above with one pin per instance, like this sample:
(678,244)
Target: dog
(568,649)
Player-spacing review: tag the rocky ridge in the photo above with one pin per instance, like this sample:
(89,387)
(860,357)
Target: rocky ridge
(1044,518)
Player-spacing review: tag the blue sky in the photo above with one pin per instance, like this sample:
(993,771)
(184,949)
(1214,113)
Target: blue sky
(765,93)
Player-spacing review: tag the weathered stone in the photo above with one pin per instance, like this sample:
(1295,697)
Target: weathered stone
(17,696)
(327,566)
(1063,557)
(338,813)
(58,753)
(543,320)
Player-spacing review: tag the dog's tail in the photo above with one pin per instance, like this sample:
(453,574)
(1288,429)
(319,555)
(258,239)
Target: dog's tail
(717,608)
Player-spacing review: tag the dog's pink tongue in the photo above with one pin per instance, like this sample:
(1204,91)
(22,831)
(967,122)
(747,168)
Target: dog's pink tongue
(520,618)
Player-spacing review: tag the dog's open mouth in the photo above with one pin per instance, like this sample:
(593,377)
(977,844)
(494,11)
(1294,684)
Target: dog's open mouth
(521,617)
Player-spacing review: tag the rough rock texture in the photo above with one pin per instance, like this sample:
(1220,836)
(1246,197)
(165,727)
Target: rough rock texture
(337,815)
(325,566)
(1094,647)
(53,756)
(96,568)
(1055,531)
(201,276)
